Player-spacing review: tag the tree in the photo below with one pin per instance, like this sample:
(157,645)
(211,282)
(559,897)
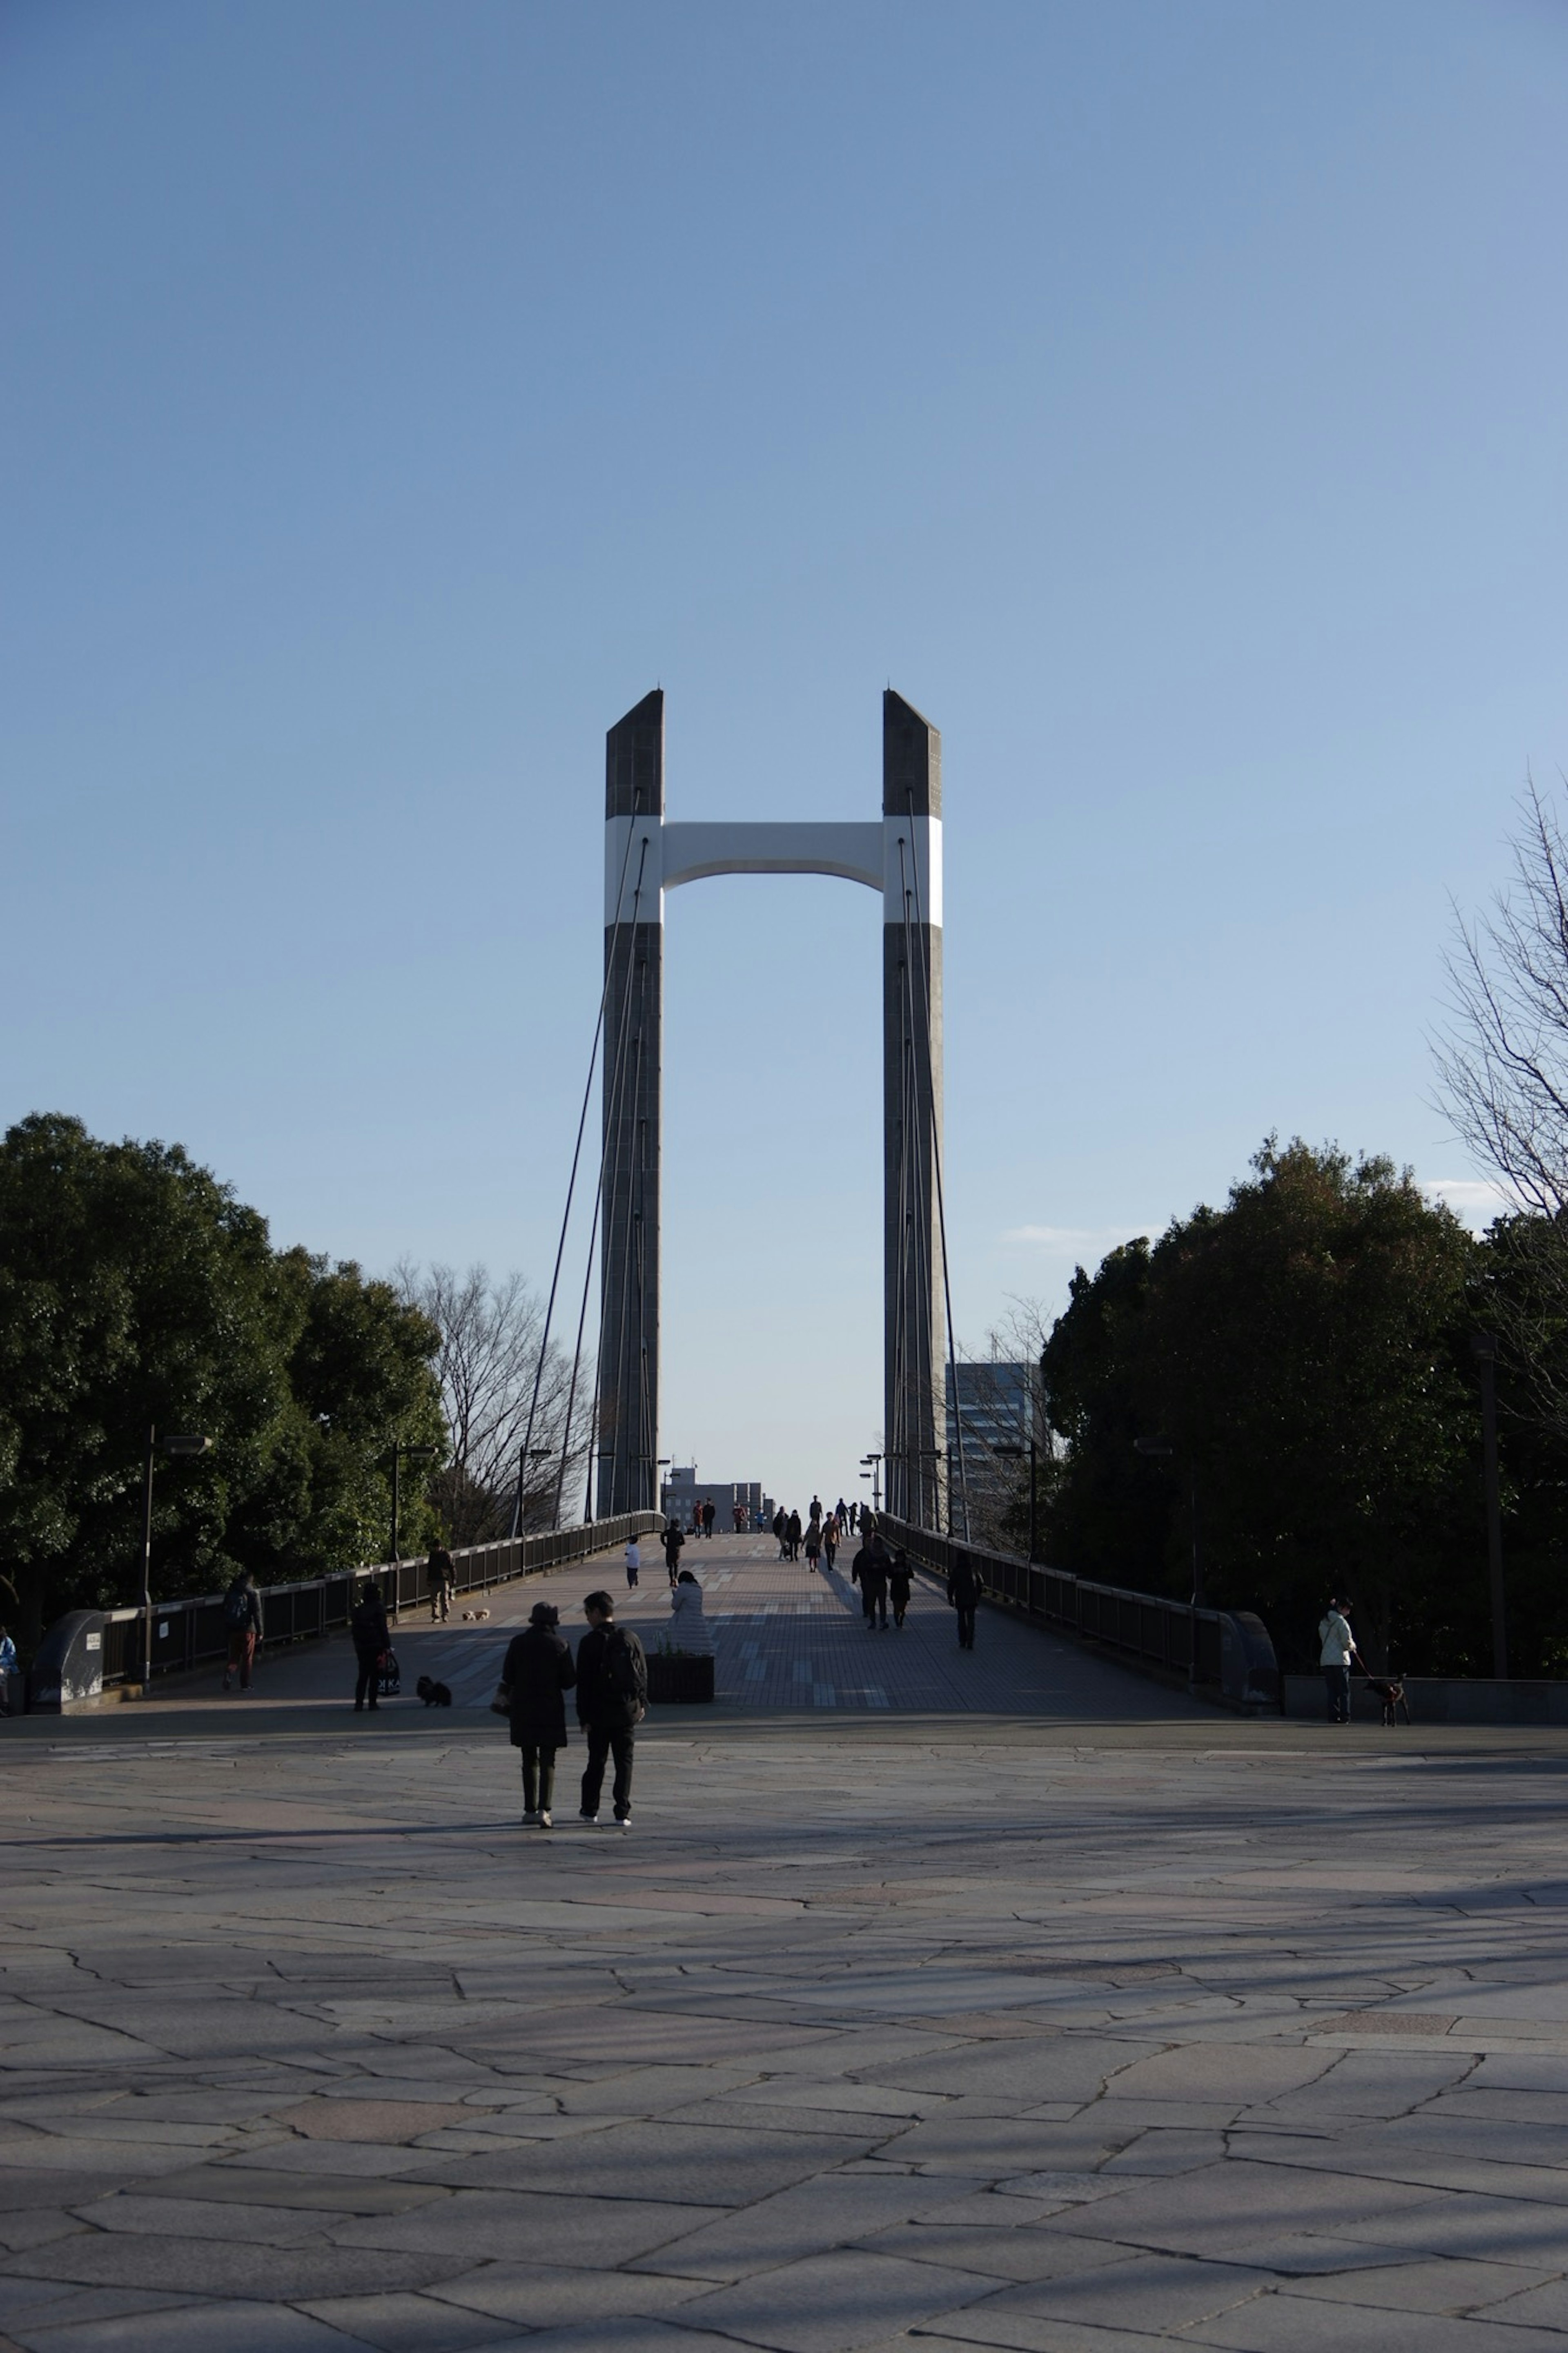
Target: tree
(136,1291)
(1302,1355)
(491,1358)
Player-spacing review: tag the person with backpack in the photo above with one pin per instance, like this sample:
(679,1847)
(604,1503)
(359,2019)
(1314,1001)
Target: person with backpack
(536,1677)
(612,1700)
(372,1640)
(242,1622)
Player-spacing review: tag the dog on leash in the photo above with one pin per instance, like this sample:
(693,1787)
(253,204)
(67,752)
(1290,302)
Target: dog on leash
(475,1617)
(433,1694)
(1391,1691)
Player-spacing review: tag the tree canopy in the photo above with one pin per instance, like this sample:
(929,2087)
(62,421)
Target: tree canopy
(1300,1360)
(136,1291)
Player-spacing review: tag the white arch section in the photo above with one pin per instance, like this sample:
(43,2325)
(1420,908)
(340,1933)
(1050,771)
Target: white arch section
(667,855)
(853,852)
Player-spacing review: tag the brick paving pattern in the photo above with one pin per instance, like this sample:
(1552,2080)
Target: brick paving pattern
(1038,2010)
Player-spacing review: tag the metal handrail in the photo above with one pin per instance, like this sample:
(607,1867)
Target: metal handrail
(191,1629)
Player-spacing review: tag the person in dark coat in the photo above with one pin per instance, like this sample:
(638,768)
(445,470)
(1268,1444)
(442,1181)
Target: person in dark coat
(242,1617)
(868,1570)
(793,1531)
(899,1583)
(372,1641)
(963,1590)
(674,1537)
(612,1700)
(442,1578)
(538,1674)
(781,1530)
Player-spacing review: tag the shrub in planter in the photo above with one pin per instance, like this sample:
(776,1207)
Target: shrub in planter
(679,1678)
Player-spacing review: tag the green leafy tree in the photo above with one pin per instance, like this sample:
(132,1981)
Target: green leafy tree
(1302,1355)
(136,1291)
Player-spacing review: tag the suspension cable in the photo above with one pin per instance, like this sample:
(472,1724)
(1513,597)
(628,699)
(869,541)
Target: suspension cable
(616,1073)
(516,1528)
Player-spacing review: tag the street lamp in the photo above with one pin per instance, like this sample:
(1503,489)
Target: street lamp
(1483,1347)
(526,1455)
(180,1450)
(663,1462)
(1016,1454)
(400,1451)
(874,1474)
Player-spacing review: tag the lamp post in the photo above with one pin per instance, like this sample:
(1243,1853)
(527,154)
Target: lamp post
(1016,1454)
(399,1451)
(874,1474)
(180,1449)
(1483,1347)
(1157,1446)
(663,1462)
(526,1455)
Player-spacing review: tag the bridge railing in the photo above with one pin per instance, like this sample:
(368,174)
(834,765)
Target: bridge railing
(1223,1653)
(192,1629)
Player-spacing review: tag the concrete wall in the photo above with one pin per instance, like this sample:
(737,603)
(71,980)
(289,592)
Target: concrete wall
(1433,1699)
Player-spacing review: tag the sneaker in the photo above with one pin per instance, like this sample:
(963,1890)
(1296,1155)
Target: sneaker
(531,1818)
(623,1822)
(546,1821)
(592,1821)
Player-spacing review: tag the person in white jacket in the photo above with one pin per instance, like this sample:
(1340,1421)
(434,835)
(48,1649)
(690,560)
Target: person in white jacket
(1336,1657)
(688,1630)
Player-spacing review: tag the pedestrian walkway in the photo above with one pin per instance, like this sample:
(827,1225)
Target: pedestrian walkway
(787,1639)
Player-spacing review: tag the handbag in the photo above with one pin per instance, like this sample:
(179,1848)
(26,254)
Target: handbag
(501,1703)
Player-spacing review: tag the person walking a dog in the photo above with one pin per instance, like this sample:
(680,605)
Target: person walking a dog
(537,1676)
(1336,1657)
(612,1700)
(443,1582)
(372,1640)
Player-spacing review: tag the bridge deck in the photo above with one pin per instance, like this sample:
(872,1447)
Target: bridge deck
(785,1640)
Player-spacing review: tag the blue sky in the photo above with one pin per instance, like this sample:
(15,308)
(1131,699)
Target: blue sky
(1166,399)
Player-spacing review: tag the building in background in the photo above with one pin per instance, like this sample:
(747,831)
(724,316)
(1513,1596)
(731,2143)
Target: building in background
(996,1401)
(683,1490)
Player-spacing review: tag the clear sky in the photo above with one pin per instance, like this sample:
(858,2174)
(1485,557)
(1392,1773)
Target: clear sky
(1167,399)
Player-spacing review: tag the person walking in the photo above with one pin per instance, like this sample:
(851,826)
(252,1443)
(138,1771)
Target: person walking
(372,1640)
(854,1515)
(634,1564)
(709,1512)
(1336,1656)
(868,1570)
(689,1629)
(793,1531)
(443,1578)
(781,1530)
(9,1671)
(612,1700)
(830,1527)
(674,1538)
(964,1589)
(899,1583)
(813,1544)
(536,1677)
(242,1618)
(840,1512)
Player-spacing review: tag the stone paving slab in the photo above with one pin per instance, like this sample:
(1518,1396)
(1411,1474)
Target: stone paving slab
(1050,2026)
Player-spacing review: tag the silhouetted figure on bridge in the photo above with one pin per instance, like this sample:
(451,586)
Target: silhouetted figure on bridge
(868,1570)
(781,1530)
(899,1583)
(964,1589)
(830,1529)
(709,1512)
(673,1540)
(612,1700)
(793,1532)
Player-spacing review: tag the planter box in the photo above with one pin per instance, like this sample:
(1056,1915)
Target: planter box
(679,1681)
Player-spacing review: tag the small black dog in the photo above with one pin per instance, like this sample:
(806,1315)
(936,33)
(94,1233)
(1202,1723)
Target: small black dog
(1391,1691)
(433,1694)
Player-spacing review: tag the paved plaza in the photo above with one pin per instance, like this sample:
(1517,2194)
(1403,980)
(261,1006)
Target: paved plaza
(934,2000)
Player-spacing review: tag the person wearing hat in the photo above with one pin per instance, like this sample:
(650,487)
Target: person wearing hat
(537,1676)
